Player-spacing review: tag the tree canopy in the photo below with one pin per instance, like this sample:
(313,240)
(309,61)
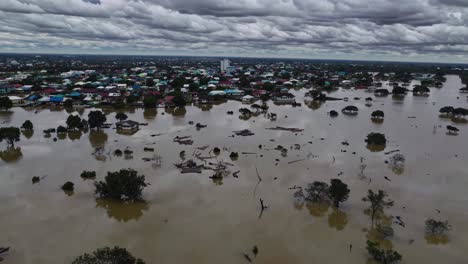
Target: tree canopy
(378,114)
(378,202)
(10,135)
(121,116)
(381,255)
(108,255)
(150,101)
(74,122)
(338,192)
(27,125)
(376,139)
(125,185)
(5,103)
(96,119)
(437,227)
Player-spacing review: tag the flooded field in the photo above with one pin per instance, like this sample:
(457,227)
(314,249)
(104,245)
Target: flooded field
(189,218)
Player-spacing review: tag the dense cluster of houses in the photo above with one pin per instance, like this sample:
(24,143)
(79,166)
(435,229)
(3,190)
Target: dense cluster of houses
(195,84)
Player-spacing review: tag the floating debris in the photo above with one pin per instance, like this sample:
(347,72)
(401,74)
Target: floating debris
(186,140)
(295,130)
(244,133)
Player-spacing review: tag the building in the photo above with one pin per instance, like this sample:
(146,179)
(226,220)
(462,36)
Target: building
(224,65)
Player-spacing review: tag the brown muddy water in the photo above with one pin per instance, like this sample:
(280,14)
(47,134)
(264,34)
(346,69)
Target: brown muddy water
(190,219)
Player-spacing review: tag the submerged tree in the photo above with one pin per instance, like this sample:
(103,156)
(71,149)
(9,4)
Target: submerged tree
(435,227)
(10,135)
(376,139)
(125,185)
(452,130)
(150,101)
(74,122)
(121,116)
(446,110)
(381,255)
(378,114)
(378,202)
(338,192)
(68,103)
(321,192)
(5,103)
(27,125)
(96,119)
(317,192)
(115,255)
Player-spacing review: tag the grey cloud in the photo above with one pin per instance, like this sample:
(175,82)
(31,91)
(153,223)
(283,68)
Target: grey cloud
(268,27)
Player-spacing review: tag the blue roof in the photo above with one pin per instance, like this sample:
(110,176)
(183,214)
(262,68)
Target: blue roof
(75,94)
(56,99)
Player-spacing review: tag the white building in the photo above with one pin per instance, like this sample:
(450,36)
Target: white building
(225,64)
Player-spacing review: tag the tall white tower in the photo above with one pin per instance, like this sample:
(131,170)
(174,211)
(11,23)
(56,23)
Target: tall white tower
(225,63)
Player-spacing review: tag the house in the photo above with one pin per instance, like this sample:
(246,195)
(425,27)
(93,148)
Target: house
(248,99)
(16,100)
(128,127)
(5,89)
(284,98)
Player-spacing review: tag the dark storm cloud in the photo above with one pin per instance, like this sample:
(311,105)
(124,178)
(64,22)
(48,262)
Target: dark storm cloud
(302,28)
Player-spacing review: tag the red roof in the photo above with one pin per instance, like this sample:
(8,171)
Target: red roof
(48,91)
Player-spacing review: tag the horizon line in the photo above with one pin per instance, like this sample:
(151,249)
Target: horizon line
(228,57)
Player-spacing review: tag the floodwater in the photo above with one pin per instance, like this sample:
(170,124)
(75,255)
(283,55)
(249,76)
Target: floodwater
(188,218)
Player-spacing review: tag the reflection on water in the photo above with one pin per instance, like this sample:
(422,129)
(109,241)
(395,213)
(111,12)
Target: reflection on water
(179,111)
(459,120)
(374,235)
(318,209)
(176,111)
(150,113)
(27,133)
(398,169)
(61,136)
(377,120)
(121,211)
(375,148)
(437,239)
(337,219)
(98,138)
(204,107)
(74,135)
(313,104)
(11,154)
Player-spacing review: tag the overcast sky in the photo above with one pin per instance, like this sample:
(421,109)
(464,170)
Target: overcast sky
(409,30)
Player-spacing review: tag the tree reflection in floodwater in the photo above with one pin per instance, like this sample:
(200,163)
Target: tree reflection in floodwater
(204,107)
(61,136)
(74,135)
(375,148)
(98,138)
(437,239)
(121,211)
(11,155)
(179,111)
(337,219)
(318,209)
(314,104)
(27,133)
(150,113)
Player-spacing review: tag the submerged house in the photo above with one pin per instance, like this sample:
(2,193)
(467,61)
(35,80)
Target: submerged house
(284,98)
(127,126)
(248,99)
